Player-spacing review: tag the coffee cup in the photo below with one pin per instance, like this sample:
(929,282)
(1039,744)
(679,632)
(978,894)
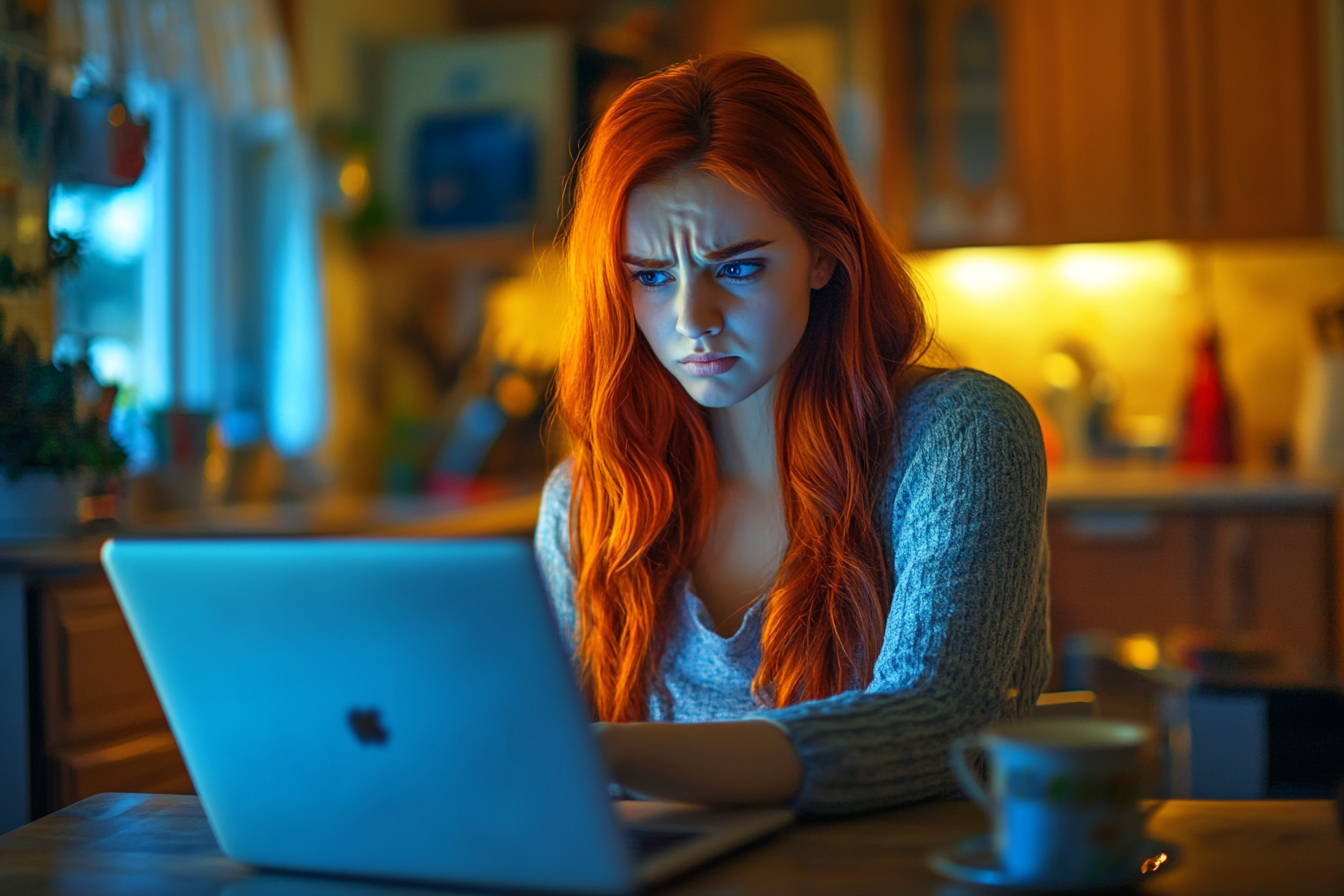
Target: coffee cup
(1063,797)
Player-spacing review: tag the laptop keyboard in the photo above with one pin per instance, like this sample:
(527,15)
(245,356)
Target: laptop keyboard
(645,843)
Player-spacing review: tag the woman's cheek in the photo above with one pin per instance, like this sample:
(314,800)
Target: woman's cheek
(659,330)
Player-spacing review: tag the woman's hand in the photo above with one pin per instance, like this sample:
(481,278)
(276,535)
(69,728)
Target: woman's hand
(750,763)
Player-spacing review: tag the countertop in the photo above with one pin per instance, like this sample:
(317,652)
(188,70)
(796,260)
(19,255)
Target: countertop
(499,514)
(1071,489)
(1156,488)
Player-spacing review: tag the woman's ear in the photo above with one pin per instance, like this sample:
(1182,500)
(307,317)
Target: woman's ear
(823,268)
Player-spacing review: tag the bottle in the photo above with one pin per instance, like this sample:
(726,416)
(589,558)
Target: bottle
(1206,435)
(1318,442)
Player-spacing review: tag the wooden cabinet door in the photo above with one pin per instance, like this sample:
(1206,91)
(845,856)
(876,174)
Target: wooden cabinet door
(1124,119)
(1250,135)
(148,763)
(1122,572)
(1289,579)
(1092,123)
(94,682)
(1128,572)
(949,174)
(101,723)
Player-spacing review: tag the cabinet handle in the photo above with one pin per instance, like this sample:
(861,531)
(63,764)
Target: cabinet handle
(1110,525)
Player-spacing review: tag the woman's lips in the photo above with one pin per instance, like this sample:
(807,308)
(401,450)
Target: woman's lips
(709,365)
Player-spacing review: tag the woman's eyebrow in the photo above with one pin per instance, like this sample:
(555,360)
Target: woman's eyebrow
(723,254)
(646,262)
(736,249)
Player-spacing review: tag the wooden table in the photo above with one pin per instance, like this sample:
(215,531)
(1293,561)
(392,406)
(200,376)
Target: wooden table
(149,845)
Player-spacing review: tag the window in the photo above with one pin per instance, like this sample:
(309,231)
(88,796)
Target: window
(197,288)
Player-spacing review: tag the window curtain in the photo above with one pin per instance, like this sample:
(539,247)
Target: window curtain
(232,285)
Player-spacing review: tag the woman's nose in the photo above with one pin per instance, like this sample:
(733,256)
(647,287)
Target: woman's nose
(698,314)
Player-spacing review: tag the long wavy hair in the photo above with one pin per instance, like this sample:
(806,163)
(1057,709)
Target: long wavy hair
(644,470)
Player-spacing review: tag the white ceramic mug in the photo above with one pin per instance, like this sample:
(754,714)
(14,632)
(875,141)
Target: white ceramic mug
(1064,799)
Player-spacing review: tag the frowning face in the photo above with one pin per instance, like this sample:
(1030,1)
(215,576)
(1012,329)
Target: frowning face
(721,284)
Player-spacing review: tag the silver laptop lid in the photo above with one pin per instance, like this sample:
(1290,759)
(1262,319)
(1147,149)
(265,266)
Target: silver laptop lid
(387,708)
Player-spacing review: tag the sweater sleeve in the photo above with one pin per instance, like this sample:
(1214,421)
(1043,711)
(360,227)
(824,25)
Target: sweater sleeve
(551,544)
(966,640)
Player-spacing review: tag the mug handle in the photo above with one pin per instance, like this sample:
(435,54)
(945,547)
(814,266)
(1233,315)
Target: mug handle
(966,776)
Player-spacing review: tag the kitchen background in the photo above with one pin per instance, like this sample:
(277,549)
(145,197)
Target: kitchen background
(1130,173)
(303,248)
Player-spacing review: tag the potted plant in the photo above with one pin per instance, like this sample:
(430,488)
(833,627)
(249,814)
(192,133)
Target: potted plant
(54,444)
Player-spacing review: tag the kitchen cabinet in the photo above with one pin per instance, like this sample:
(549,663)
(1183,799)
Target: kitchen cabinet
(1250,152)
(77,713)
(99,726)
(1092,120)
(1116,120)
(1229,553)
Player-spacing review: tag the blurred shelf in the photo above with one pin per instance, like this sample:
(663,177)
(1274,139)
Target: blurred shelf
(490,249)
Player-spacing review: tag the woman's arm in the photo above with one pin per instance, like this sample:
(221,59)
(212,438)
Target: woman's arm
(749,763)
(966,639)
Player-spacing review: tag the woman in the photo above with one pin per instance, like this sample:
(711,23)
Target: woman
(776,529)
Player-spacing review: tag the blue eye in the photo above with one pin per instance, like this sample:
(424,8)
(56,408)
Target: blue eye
(652,279)
(741,270)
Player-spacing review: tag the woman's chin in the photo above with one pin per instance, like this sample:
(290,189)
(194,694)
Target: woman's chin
(711,394)
(715,392)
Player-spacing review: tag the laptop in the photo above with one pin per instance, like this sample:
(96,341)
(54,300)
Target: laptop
(394,709)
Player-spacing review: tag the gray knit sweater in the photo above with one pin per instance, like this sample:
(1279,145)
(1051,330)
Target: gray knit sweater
(966,639)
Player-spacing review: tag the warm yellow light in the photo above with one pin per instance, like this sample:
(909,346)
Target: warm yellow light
(354,178)
(524,317)
(29,228)
(1061,371)
(1094,271)
(1110,269)
(984,274)
(1152,863)
(1140,651)
(515,395)
(116,116)
(1146,430)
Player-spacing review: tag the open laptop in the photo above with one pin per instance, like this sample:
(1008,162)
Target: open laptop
(393,709)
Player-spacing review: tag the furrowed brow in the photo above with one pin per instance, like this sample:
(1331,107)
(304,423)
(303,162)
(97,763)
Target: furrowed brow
(646,262)
(736,249)
(717,255)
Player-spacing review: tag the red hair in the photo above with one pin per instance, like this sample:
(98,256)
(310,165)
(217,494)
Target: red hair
(644,469)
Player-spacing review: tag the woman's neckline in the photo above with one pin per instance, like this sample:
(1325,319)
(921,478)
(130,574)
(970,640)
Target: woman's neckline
(700,614)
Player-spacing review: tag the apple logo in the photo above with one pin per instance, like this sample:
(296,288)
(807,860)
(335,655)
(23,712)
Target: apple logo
(368,727)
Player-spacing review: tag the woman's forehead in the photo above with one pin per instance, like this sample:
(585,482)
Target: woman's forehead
(696,211)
